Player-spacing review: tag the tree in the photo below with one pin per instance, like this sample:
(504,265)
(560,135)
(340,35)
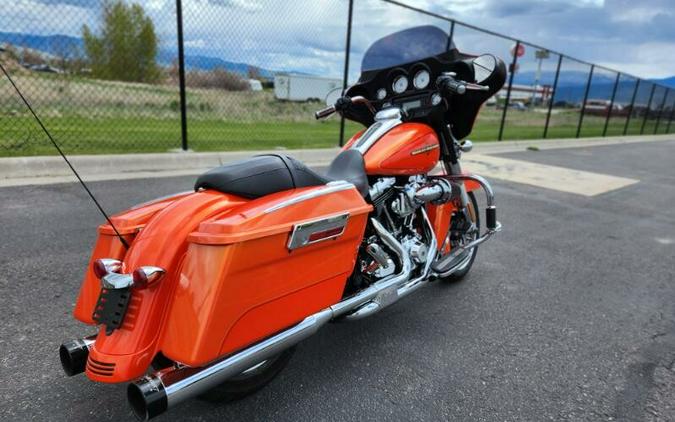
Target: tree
(126,48)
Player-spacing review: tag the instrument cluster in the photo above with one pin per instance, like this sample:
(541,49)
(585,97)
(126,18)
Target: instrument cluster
(400,81)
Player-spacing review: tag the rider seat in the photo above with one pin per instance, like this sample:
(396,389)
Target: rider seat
(265,174)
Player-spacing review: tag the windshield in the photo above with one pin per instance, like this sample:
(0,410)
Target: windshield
(405,46)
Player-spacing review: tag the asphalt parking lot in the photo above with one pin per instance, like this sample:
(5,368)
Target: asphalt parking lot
(568,314)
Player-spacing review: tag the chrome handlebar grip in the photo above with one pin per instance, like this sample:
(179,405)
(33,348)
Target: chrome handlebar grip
(325,112)
(342,104)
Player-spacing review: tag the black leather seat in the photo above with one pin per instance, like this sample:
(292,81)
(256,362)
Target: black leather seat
(265,174)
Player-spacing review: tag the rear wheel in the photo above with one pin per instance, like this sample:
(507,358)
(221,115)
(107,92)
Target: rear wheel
(470,255)
(249,381)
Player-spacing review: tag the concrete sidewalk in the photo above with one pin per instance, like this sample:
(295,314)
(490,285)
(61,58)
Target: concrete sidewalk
(52,169)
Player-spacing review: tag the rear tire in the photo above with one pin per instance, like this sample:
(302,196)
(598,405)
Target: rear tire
(249,381)
(459,275)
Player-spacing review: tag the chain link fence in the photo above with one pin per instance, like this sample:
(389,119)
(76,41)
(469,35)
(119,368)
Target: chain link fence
(115,76)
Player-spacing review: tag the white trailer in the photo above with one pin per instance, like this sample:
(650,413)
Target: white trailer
(298,87)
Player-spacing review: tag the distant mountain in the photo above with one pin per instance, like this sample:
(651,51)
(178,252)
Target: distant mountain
(198,62)
(572,86)
(566,78)
(64,45)
(56,45)
(666,81)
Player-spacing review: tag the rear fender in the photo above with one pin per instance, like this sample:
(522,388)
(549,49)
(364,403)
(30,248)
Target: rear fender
(127,352)
(128,224)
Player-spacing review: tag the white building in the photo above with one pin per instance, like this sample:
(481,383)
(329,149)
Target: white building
(298,87)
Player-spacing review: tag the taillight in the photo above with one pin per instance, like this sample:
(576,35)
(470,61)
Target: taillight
(102,267)
(145,276)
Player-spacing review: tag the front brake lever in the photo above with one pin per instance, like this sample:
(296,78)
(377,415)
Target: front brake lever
(475,87)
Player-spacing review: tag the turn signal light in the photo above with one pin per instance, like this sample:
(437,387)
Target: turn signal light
(145,276)
(103,267)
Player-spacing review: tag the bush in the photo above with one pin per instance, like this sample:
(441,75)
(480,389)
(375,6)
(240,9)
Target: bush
(216,78)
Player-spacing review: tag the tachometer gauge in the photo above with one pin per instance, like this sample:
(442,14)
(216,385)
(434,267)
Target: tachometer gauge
(421,79)
(381,94)
(400,84)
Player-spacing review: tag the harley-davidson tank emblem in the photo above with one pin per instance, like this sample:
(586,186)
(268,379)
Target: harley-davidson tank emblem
(424,149)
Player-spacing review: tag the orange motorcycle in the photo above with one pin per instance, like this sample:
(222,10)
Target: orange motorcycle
(206,293)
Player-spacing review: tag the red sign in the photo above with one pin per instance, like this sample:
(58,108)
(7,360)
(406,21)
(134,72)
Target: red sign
(520,52)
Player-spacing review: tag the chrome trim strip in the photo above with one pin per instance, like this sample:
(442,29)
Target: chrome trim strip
(330,187)
(377,130)
(389,114)
(302,232)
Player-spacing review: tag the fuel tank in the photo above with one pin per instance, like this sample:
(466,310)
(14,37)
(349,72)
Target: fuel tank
(407,149)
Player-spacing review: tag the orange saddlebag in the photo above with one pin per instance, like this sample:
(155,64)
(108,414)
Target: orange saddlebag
(260,268)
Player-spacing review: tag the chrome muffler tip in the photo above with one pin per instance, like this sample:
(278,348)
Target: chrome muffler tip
(74,355)
(147,398)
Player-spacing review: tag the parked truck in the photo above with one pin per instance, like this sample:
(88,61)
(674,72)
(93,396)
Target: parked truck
(299,87)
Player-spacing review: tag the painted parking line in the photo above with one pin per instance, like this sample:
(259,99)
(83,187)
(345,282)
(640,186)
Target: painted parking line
(544,176)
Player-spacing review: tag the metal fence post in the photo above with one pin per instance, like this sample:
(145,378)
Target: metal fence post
(583,105)
(345,76)
(611,103)
(555,87)
(632,107)
(649,107)
(514,62)
(181,75)
(658,116)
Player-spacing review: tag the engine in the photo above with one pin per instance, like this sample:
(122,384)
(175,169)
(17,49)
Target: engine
(397,202)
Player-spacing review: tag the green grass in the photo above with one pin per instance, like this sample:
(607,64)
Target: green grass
(96,117)
(21,136)
(119,135)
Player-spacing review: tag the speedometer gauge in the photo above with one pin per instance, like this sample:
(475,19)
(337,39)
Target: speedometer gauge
(421,79)
(400,84)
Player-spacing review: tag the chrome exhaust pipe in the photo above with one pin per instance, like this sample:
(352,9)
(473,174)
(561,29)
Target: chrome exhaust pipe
(379,294)
(155,393)
(386,292)
(74,355)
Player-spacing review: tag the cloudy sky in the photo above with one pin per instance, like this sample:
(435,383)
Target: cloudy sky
(634,36)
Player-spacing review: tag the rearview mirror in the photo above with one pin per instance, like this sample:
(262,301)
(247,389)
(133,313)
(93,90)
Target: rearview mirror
(483,67)
(333,95)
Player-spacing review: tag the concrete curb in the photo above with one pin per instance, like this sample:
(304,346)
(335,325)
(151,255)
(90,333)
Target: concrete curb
(18,171)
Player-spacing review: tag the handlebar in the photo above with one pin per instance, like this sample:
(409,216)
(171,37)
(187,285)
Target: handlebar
(448,85)
(325,112)
(342,104)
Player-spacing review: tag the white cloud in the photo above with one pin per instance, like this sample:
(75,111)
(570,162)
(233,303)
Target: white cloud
(308,35)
